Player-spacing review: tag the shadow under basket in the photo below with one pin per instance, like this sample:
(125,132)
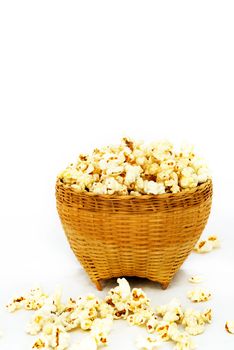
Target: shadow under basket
(146,236)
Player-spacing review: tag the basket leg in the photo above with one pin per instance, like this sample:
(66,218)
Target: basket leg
(98,285)
(164,285)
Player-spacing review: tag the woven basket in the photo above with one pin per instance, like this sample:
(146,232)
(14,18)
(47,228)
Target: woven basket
(146,236)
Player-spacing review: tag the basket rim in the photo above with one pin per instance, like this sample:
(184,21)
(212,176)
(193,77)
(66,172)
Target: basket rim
(181,194)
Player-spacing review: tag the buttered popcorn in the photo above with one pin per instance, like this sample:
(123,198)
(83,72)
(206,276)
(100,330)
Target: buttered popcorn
(53,319)
(136,168)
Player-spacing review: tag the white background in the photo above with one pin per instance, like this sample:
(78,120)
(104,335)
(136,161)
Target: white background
(79,74)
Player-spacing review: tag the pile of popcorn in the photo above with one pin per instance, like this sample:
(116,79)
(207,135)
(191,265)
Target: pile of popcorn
(136,168)
(53,320)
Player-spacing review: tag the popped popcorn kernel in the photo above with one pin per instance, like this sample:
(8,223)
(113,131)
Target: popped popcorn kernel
(185,343)
(214,241)
(196,279)
(203,246)
(40,344)
(229,326)
(199,295)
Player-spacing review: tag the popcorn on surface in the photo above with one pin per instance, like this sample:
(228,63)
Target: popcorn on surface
(198,295)
(33,300)
(54,319)
(229,326)
(196,279)
(206,245)
(136,168)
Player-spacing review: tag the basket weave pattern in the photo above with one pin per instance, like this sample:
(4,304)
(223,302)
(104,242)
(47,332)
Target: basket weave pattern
(146,236)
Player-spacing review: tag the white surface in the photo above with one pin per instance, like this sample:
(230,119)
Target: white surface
(75,75)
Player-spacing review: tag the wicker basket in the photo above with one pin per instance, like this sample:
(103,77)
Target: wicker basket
(146,236)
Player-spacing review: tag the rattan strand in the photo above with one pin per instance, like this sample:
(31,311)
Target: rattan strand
(148,236)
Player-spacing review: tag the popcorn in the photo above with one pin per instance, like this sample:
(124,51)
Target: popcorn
(59,339)
(100,330)
(152,187)
(173,332)
(195,279)
(185,343)
(162,330)
(124,288)
(138,299)
(135,168)
(33,300)
(195,330)
(194,321)
(152,324)
(199,295)
(229,326)
(214,241)
(40,343)
(207,315)
(203,246)
(206,245)
(53,319)
(149,343)
(171,312)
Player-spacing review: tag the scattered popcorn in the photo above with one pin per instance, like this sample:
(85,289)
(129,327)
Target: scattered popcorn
(198,295)
(136,168)
(196,279)
(206,245)
(229,326)
(149,343)
(53,319)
